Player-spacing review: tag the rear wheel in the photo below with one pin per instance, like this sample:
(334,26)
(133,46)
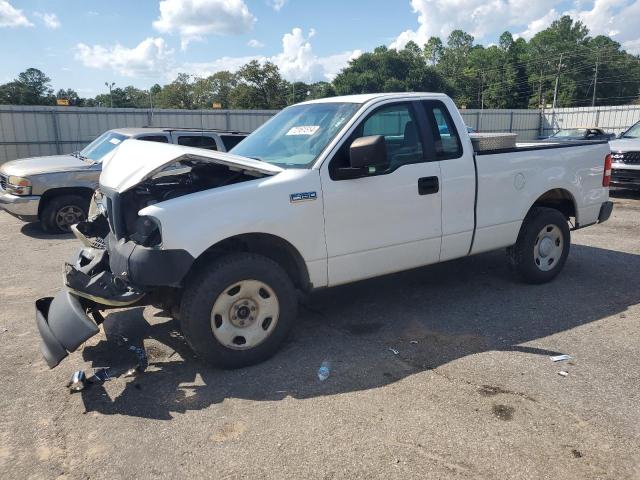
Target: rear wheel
(237,311)
(61,212)
(542,246)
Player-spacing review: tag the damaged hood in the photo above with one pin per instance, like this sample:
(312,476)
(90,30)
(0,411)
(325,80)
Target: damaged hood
(134,161)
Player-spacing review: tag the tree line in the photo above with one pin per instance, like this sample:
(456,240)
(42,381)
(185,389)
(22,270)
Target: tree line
(561,65)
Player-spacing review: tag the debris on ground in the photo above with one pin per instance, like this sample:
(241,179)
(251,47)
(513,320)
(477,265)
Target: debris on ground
(78,381)
(141,354)
(414,342)
(563,373)
(394,351)
(132,372)
(100,375)
(560,358)
(324,371)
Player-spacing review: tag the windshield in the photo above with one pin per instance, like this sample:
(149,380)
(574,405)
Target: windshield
(102,145)
(633,132)
(572,132)
(295,137)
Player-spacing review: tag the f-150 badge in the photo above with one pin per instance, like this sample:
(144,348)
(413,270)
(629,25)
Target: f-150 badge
(302,197)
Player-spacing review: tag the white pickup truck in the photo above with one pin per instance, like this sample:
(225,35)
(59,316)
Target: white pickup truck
(327,192)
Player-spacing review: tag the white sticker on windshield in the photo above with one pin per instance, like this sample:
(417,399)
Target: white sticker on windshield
(304,130)
(115,141)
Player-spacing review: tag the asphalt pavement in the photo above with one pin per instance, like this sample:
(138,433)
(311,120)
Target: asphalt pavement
(440,372)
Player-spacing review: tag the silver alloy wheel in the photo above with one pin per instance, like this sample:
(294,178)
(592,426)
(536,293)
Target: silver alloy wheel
(245,314)
(548,248)
(67,216)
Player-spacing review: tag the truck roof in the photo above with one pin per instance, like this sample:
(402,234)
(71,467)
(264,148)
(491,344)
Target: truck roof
(367,97)
(130,131)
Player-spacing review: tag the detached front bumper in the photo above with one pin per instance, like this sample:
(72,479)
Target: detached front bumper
(64,325)
(24,208)
(123,275)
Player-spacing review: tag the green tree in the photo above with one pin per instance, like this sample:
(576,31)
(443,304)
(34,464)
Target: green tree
(260,87)
(177,94)
(388,70)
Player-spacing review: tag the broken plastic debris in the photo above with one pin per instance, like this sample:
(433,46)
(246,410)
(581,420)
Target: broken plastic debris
(100,375)
(563,373)
(78,381)
(414,342)
(324,371)
(394,351)
(560,358)
(132,372)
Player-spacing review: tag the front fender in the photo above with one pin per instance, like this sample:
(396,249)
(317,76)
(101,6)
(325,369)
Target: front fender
(268,205)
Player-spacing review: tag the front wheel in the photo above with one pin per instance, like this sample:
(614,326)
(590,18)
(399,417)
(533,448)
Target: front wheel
(63,211)
(542,246)
(238,310)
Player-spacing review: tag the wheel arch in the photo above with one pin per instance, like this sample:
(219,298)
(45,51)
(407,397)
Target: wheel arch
(271,246)
(559,199)
(46,197)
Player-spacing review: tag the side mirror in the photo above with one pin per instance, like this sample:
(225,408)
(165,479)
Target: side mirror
(367,152)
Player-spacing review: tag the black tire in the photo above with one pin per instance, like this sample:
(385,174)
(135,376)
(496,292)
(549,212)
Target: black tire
(211,282)
(525,255)
(56,206)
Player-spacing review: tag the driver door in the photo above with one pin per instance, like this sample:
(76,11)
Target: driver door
(390,219)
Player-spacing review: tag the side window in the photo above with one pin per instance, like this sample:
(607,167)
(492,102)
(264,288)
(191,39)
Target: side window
(446,139)
(231,141)
(198,141)
(397,123)
(155,138)
(398,126)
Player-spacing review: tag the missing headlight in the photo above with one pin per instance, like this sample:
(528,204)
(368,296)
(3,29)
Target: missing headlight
(147,232)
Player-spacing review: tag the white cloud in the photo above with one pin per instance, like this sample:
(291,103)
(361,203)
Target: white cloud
(538,24)
(277,4)
(483,19)
(296,62)
(615,18)
(149,58)
(487,19)
(50,20)
(12,17)
(195,19)
(253,43)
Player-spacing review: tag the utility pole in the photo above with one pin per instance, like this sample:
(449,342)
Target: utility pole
(595,83)
(151,104)
(540,87)
(555,90)
(110,86)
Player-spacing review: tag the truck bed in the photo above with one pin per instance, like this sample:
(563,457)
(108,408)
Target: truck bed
(541,145)
(509,181)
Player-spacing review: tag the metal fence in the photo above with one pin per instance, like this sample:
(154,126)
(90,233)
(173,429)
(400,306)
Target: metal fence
(32,131)
(526,123)
(611,119)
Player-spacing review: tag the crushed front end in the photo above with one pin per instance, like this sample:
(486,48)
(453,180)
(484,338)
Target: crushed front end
(123,261)
(117,267)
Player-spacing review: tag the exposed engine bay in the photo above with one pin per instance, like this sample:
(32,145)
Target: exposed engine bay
(181,178)
(184,177)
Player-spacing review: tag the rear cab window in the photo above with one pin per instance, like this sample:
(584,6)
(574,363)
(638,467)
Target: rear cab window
(445,136)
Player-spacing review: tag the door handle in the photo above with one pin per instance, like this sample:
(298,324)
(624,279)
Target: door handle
(428,185)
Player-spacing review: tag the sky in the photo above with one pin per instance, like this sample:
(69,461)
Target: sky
(82,44)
